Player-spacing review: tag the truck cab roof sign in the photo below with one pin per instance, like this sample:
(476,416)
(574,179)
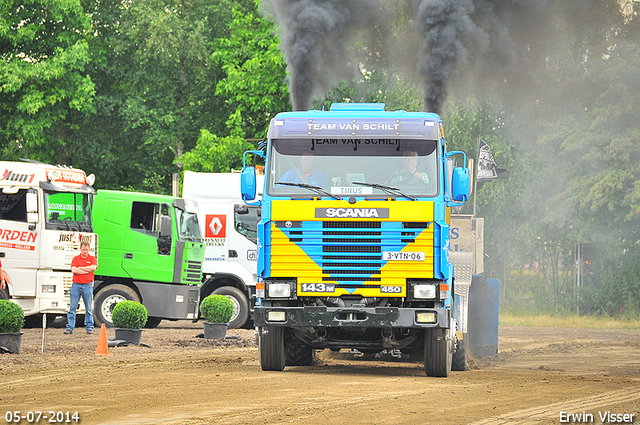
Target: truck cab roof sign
(424,127)
(66,176)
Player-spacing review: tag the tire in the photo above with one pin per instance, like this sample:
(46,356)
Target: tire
(152,322)
(35,321)
(271,348)
(299,355)
(461,355)
(106,298)
(438,352)
(4,293)
(240,305)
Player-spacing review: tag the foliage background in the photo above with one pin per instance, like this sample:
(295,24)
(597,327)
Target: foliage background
(136,91)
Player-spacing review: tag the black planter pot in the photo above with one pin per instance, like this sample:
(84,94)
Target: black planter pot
(132,336)
(11,341)
(215,330)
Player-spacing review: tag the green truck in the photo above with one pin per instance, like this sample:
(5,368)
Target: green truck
(150,250)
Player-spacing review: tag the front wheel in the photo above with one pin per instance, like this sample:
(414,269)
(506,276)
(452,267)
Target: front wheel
(153,322)
(4,293)
(240,305)
(35,321)
(271,348)
(438,352)
(107,298)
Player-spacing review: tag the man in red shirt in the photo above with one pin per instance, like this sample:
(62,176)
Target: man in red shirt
(82,267)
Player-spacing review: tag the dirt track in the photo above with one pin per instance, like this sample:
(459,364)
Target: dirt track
(539,373)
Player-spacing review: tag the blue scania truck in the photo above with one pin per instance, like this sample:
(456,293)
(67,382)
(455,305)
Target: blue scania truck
(353,237)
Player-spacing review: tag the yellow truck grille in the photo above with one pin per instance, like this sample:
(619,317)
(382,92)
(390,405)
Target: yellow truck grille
(355,256)
(364,256)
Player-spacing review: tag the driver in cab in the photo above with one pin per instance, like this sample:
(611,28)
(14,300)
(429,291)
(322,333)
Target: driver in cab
(306,173)
(409,173)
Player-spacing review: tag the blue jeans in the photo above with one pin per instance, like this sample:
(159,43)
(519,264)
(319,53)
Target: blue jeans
(84,290)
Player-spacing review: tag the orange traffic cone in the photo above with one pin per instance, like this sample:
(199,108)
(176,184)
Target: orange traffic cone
(103,346)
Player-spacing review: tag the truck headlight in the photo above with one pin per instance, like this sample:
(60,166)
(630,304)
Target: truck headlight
(425,317)
(427,292)
(279,290)
(276,316)
(48,289)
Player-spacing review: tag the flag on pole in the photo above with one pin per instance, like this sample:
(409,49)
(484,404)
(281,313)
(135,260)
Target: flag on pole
(487,168)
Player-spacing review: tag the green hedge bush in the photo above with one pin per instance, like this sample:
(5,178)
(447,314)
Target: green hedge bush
(11,317)
(129,315)
(216,309)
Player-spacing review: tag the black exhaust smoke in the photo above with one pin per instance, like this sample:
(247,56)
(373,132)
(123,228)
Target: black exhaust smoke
(448,32)
(314,41)
(484,41)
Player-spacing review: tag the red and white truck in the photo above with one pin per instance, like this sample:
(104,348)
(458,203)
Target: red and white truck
(45,211)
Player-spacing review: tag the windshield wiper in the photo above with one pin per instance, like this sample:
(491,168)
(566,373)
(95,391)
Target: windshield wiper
(317,189)
(387,189)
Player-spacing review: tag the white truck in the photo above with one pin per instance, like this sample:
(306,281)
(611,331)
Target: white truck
(45,211)
(229,227)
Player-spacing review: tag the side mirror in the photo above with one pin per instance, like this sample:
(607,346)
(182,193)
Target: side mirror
(165,226)
(248,184)
(460,183)
(32,201)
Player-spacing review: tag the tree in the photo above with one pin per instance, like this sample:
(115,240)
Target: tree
(253,87)
(214,154)
(155,84)
(254,82)
(45,87)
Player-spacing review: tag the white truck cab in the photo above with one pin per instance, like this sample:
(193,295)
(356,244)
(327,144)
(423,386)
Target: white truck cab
(45,212)
(229,227)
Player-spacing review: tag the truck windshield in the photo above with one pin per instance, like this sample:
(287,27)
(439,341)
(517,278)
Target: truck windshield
(188,227)
(372,168)
(68,211)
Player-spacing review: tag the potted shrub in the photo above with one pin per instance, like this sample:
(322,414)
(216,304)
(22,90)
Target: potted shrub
(129,317)
(11,322)
(217,311)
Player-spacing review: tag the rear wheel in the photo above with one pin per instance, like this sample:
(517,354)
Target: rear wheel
(461,355)
(107,298)
(240,305)
(438,352)
(271,348)
(299,354)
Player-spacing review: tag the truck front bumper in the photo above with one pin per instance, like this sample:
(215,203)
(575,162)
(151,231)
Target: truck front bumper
(352,317)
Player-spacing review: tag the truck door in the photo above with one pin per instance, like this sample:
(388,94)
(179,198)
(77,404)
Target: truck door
(245,234)
(19,242)
(149,253)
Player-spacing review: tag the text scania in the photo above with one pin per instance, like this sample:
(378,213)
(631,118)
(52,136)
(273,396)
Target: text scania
(352,212)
